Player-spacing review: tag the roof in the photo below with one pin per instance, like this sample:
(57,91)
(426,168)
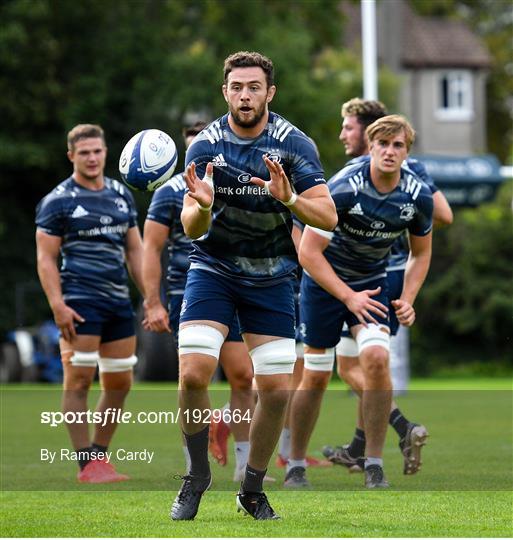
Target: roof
(425,41)
(435,42)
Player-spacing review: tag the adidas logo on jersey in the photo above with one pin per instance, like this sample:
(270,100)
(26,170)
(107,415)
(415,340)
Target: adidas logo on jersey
(281,129)
(356,210)
(213,132)
(413,186)
(79,212)
(219,161)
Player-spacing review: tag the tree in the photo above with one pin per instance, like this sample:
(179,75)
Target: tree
(465,308)
(134,65)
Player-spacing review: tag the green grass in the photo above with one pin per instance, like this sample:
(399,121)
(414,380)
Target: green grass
(464,488)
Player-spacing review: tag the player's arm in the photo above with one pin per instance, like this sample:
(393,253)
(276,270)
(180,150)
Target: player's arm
(313,207)
(312,259)
(154,240)
(48,248)
(296,234)
(442,212)
(196,214)
(316,208)
(417,268)
(133,254)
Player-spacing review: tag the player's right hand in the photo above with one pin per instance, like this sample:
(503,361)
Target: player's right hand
(156,318)
(363,306)
(202,191)
(65,318)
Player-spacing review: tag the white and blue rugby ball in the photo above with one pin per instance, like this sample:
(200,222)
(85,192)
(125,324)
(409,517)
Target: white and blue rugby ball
(148,160)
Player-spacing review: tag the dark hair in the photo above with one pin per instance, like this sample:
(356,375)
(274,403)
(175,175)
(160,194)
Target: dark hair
(84,131)
(250,59)
(194,129)
(367,111)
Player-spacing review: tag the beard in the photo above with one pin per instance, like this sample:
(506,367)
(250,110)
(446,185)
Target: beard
(358,150)
(251,122)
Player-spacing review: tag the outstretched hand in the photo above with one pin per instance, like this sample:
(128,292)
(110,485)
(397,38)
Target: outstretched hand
(363,305)
(202,191)
(279,185)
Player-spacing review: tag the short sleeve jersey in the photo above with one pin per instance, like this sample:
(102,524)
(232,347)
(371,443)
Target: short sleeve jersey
(93,226)
(369,222)
(400,249)
(165,208)
(250,234)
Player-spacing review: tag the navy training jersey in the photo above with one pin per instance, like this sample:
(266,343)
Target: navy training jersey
(93,226)
(165,208)
(249,237)
(401,249)
(369,222)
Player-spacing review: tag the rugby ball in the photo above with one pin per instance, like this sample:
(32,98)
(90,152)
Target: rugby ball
(148,160)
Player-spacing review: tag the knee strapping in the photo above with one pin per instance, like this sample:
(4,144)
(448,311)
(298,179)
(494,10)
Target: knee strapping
(347,347)
(320,362)
(373,336)
(275,357)
(200,339)
(84,359)
(116,365)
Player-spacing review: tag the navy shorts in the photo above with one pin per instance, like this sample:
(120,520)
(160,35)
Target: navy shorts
(174,307)
(395,280)
(323,316)
(108,320)
(267,310)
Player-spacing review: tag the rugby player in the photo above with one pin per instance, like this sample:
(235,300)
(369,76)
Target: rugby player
(246,173)
(90,221)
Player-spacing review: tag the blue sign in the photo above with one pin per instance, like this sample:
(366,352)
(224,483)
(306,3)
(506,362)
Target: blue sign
(465,181)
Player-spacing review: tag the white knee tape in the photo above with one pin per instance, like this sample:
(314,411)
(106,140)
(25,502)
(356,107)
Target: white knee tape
(84,359)
(347,346)
(373,336)
(200,339)
(116,365)
(275,357)
(320,362)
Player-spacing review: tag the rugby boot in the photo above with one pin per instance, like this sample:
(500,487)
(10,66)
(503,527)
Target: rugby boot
(255,505)
(339,455)
(186,504)
(296,478)
(100,471)
(411,446)
(218,440)
(375,478)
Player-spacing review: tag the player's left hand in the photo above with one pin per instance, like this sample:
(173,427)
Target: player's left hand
(404,312)
(279,185)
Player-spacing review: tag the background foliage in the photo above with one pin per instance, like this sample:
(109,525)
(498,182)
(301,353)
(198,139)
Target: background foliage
(158,63)
(465,309)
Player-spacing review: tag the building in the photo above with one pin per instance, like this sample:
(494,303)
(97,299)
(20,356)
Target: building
(442,65)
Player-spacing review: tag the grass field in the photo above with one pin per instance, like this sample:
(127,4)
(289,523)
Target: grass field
(464,488)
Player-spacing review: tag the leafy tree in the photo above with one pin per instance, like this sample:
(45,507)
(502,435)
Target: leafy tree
(139,64)
(465,308)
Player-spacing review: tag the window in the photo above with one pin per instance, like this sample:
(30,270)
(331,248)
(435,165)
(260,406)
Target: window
(455,96)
